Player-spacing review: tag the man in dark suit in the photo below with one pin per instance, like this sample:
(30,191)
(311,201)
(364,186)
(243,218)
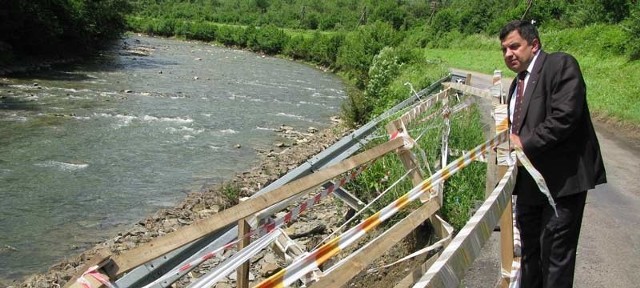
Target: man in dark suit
(550,121)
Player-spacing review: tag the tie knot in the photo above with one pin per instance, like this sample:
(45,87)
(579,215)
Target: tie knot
(522,75)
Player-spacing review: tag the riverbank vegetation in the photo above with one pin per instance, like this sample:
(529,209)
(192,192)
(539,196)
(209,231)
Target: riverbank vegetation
(49,30)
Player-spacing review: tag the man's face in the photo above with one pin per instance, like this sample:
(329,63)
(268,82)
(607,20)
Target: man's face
(517,52)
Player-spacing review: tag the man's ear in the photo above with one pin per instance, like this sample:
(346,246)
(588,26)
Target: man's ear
(536,45)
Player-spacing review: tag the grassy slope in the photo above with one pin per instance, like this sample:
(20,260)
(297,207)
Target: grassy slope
(613,93)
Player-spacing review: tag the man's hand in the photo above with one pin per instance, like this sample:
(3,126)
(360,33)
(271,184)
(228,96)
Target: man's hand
(515,141)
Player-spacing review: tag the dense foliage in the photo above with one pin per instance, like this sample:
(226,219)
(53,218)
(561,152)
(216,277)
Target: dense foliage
(465,16)
(348,35)
(58,27)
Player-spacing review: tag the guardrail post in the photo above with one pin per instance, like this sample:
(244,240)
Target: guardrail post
(405,155)
(243,270)
(416,176)
(506,220)
(506,237)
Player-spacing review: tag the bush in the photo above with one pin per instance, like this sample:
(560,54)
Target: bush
(55,28)
(359,48)
(298,48)
(355,109)
(269,39)
(231,35)
(633,27)
(324,48)
(384,69)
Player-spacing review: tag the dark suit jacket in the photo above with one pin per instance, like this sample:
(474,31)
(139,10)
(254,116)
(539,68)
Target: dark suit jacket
(557,134)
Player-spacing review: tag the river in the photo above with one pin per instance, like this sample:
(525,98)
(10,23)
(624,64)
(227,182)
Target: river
(87,149)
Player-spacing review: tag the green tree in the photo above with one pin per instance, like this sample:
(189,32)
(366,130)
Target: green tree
(55,27)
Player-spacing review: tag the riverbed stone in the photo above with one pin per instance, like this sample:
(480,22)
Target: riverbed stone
(274,164)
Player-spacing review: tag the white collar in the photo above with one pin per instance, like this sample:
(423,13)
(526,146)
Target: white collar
(533,62)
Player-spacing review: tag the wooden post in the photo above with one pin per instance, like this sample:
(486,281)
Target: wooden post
(506,220)
(492,157)
(467,81)
(416,176)
(405,155)
(506,236)
(243,270)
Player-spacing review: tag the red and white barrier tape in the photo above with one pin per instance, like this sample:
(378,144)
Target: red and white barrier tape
(93,272)
(295,212)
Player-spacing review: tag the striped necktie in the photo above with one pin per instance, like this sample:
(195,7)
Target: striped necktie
(517,110)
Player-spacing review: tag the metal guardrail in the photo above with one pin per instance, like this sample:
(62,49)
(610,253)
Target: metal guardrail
(339,151)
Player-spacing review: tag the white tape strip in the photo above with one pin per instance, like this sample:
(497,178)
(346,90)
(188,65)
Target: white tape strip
(427,249)
(542,185)
(235,261)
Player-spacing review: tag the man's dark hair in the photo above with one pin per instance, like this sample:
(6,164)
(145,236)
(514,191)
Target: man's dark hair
(525,28)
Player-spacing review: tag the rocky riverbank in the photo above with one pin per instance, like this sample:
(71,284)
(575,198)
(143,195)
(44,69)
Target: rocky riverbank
(293,149)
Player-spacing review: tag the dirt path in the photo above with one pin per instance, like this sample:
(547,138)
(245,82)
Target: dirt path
(609,247)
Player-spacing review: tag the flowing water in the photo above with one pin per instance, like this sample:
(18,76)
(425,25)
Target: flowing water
(88,149)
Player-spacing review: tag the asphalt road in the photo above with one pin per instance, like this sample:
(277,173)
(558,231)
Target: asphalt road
(609,245)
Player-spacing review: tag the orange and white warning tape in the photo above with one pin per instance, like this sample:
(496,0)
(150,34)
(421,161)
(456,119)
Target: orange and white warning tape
(365,208)
(314,259)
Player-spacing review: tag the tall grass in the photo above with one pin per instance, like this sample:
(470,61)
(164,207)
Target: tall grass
(463,191)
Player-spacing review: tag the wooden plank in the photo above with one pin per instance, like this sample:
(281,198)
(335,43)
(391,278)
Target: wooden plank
(97,260)
(462,251)
(162,245)
(412,277)
(469,90)
(421,108)
(405,155)
(363,257)
(506,237)
(243,270)
(492,167)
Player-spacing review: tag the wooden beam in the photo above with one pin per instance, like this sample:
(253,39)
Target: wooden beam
(506,237)
(469,90)
(412,277)
(405,155)
(96,260)
(421,108)
(243,270)
(148,251)
(363,257)
(463,250)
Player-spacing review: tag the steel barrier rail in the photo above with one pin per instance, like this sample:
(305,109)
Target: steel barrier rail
(339,151)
